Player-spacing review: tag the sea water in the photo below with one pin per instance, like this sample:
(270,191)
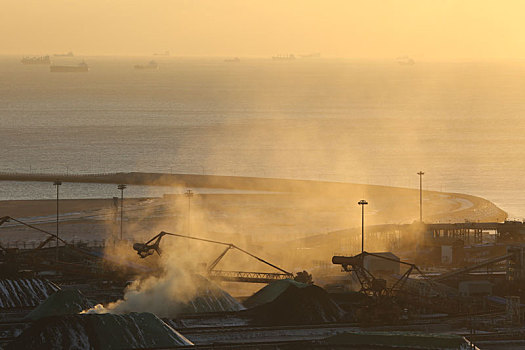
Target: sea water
(377,122)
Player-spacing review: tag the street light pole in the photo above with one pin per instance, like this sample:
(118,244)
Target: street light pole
(421,195)
(121,187)
(57,183)
(189,194)
(362,203)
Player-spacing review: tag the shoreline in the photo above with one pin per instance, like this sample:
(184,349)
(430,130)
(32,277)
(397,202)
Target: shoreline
(249,183)
(438,206)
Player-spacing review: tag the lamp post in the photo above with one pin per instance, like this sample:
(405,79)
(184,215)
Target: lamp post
(57,183)
(421,195)
(189,194)
(362,203)
(121,187)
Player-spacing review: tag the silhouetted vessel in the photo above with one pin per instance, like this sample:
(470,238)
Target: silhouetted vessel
(165,53)
(233,60)
(36,60)
(79,68)
(283,58)
(405,61)
(69,54)
(150,65)
(312,55)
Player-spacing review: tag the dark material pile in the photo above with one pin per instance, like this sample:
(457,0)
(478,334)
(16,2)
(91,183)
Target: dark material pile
(99,331)
(271,292)
(62,302)
(24,292)
(210,298)
(307,305)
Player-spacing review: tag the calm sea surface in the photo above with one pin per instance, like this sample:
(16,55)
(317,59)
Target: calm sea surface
(340,120)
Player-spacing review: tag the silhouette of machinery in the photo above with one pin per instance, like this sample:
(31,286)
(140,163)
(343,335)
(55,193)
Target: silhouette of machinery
(151,246)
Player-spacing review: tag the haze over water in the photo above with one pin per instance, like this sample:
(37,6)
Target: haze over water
(374,122)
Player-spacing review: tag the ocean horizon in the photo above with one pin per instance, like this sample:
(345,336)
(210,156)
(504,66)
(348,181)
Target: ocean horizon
(321,119)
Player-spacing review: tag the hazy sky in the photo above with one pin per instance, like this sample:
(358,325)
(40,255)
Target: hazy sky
(424,29)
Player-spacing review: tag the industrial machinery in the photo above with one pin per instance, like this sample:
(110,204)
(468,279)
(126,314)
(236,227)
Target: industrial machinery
(66,258)
(392,293)
(50,236)
(151,246)
(514,268)
(370,284)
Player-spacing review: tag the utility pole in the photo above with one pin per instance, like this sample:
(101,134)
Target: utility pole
(121,187)
(57,183)
(189,194)
(362,203)
(421,195)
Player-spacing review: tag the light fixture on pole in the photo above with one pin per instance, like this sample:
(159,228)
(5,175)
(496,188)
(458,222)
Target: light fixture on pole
(421,195)
(189,194)
(121,187)
(57,183)
(362,203)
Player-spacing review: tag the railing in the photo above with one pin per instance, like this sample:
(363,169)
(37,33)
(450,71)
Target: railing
(94,243)
(39,174)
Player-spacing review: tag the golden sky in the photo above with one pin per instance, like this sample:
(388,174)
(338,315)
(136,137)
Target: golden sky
(424,29)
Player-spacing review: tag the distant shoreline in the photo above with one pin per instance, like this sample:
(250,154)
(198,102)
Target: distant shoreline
(457,207)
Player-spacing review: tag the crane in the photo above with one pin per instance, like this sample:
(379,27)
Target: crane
(151,246)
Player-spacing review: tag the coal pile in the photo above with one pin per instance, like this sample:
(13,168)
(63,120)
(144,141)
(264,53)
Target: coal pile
(271,292)
(24,292)
(62,302)
(171,298)
(99,331)
(210,298)
(306,305)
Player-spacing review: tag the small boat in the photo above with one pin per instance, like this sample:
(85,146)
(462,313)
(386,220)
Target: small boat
(82,67)
(233,60)
(150,65)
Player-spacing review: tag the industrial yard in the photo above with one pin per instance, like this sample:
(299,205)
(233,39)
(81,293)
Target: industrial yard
(190,271)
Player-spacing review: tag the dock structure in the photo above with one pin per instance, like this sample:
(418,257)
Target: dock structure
(472,232)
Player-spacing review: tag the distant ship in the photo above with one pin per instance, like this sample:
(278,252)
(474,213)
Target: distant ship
(165,53)
(312,55)
(233,60)
(283,58)
(150,65)
(79,68)
(405,61)
(36,60)
(69,54)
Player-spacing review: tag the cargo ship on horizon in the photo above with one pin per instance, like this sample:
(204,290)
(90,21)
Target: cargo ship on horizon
(150,65)
(82,67)
(36,60)
(165,53)
(405,61)
(233,60)
(69,54)
(283,57)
